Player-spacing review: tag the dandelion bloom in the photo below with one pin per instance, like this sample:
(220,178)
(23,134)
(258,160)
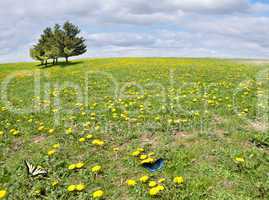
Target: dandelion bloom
(82,139)
(144,179)
(96,169)
(143,157)
(54,183)
(135,153)
(160,187)
(98,142)
(51,152)
(72,166)
(51,131)
(56,146)
(40,128)
(71,188)
(178,180)
(98,194)
(69,131)
(152,184)
(239,160)
(3,194)
(154,191)
(89,136)
(161,180)
(131,182)
(80,187)
(80,165)
(148,160)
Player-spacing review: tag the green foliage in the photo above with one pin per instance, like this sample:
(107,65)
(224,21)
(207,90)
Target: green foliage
(209,146)
(58,42)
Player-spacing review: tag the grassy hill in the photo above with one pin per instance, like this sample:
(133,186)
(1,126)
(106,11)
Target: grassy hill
(206,118)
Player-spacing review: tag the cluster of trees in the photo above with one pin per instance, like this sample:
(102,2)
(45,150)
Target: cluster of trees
(58,42)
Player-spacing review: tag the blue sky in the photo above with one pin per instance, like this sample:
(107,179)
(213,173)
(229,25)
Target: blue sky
(118,28)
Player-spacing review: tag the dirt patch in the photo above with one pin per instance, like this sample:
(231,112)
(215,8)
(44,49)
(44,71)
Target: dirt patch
(228,184)
(259,126)
(149,139)
(181,134)
(17,144)
(39,139)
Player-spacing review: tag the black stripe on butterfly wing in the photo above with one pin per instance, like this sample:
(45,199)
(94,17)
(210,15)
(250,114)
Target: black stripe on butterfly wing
(39,171)
(30,168)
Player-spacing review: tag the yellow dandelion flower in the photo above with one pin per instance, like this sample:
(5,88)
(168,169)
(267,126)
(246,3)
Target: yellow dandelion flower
(98,142)
(89,136)
(56,146)
(152,184)
(148,160)
(72,166)
(154,191)
(98,194)
(40,128)
(144,179)
(51,131)
(135,153)
(160,187)
(143,157)
(16,133)
(54,183)
(3,194)
(178,180)
(51,152)
(71,188)
(239,160)
(69,131)
(96,169)
(161,180)
(131,182)
(80,187)
(80,165)
(82,139)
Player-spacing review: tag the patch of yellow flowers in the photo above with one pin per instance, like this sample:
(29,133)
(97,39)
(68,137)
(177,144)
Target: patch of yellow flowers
(155,187)
(80,187)
(78,165)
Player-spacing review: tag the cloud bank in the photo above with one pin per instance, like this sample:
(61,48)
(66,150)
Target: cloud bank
(219,28)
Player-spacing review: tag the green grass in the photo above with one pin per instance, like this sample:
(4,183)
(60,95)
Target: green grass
(194,113)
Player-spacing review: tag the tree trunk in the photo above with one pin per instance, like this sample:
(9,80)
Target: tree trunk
(66,59)
(53,61)
(46,63)
(56,60)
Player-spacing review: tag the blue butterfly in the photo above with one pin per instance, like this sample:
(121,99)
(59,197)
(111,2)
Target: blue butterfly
(153,167)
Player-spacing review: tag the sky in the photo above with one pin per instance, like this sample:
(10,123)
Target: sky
(156,28)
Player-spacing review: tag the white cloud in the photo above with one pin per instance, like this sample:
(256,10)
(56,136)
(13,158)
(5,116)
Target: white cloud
(137,27)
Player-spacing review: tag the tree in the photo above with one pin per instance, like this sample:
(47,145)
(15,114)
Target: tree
(36,55)
(73,45)
(58,42)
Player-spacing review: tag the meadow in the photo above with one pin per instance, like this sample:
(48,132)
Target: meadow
(92,123)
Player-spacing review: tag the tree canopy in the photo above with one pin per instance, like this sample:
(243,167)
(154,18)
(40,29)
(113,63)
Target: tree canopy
(58,42)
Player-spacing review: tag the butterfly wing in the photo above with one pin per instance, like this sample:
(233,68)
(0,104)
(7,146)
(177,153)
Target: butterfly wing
(30,167)
(153,167)
(35,171)
(40,171)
